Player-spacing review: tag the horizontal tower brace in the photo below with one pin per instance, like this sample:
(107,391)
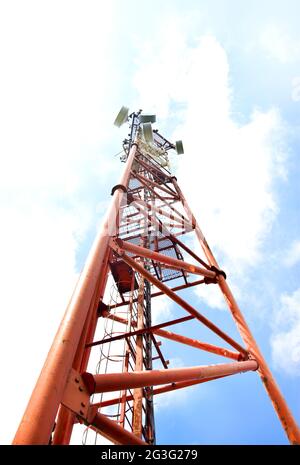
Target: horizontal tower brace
(184,304)
(173,262)
(157,294)
(199,344)
(116,381)
(160,390)
(138,331)
(174,337)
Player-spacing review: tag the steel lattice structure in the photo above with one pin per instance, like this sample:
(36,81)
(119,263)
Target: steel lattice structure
(140,245)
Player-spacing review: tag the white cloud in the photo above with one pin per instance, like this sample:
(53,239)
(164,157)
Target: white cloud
(292,255)
(212,296)
(178,397)
(285,340)
(171,398)
(161,309)
(53,115)
(54,107)
(160,69)
(38,275)
(279,45)
(228,169)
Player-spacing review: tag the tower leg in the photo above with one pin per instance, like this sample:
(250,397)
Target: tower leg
(285,416)
(65,419)
(38,420)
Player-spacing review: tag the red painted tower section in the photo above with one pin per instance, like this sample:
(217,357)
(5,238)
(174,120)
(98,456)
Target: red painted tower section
(141,249)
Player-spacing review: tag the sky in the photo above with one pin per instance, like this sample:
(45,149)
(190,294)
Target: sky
(223,76)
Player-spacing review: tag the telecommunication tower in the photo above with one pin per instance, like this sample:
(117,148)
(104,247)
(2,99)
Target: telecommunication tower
(138,255)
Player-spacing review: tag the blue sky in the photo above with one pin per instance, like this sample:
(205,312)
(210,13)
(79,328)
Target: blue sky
(222,75)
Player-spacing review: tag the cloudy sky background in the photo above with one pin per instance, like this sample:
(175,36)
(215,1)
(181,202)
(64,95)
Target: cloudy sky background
(222,75)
